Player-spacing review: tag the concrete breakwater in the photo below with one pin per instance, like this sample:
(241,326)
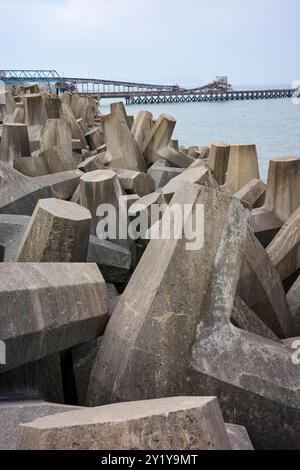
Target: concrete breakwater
(137,342)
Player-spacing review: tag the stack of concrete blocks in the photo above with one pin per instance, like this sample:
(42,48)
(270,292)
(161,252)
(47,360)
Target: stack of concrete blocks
(162,337)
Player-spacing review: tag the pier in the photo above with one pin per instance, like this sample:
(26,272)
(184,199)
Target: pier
(140,93)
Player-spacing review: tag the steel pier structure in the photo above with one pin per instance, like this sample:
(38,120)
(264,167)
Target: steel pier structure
(140,93)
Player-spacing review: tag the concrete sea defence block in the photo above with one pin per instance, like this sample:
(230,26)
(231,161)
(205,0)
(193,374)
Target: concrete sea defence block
(49,307)
(58,231)
(181,423)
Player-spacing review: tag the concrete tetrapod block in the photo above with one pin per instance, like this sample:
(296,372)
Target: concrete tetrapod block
(238,437)
(121,144)
(53,106)
(203,153)
(17,117)
(7,104)
(101,187)
(261,289)
(200,175)
(76,130)
(146,204)
(49,307)
(284,249)
(12,228)
(175,157)
(176,338)
(94,138)
(13,413)
(158,137)
(57,133)
(243,317)
(14,142)
(242,167)
(31,166)
(135,182)
(293,298)
(141,127)
(20,194)
(58,231)
(181,423)
(162,173)
(114,261)
(218,159)
(281,199)
(253,193)
(58,159)
(91,164)
(35,115)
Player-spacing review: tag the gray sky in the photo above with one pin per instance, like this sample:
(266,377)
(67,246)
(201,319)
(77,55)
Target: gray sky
(174,41)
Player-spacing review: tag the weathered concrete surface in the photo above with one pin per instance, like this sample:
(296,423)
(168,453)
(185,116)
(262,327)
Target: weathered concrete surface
(162,173)
(92,163)
(281,199)
(31,166)
(14,142)
(48,307)
(238,437)
(176,338)
(101,187)
(12,228)
(56,132)
(242,167)
(35,115)
(20,194)
(58,159)
(58,231)
(114,261)
(7,104)
(175,157)
(121,144)
(181,423)
(53,106)
(243,317)
(200,175)
(135,182)
(218,159)
(253,193)
(18,116)
(42,378)
(293,298)
(13,413)
(76,130)
(261,289)
(94,138)
(145,203)
(141,127)
(284,249)
(203,153)
(158,137)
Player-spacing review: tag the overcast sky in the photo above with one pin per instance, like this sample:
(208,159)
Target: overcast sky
(174,41)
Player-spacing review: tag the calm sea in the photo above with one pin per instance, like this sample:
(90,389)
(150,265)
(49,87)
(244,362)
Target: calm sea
(273,125)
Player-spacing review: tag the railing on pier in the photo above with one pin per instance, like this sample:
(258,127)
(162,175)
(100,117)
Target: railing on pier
(141,93)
